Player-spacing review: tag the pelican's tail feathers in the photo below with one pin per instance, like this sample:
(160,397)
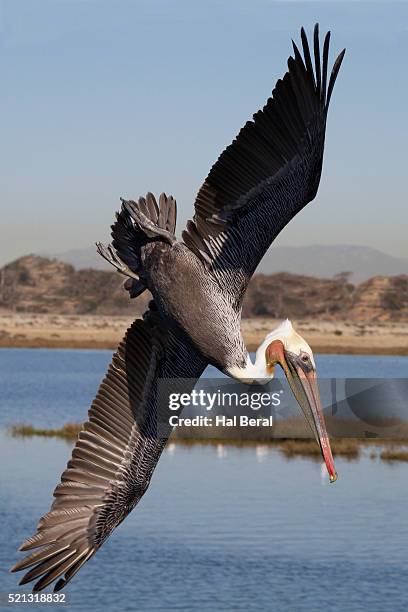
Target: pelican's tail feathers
(137,225)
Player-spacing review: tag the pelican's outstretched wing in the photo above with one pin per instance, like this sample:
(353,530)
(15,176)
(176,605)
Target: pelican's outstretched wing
(268,174)
(114,457)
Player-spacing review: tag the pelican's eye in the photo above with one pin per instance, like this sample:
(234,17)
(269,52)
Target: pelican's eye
(305,362)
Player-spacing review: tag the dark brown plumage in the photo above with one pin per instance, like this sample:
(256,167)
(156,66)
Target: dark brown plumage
(114,456)
(270,171)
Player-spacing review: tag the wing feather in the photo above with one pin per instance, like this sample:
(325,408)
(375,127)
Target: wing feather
(269,172)
(116,451)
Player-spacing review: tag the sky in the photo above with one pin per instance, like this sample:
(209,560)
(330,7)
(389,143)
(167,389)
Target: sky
(107,99)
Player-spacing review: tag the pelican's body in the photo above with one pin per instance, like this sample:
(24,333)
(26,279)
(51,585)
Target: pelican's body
(259,183)
(192,300)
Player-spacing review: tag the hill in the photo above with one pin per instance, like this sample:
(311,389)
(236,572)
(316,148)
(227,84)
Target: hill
(42,285)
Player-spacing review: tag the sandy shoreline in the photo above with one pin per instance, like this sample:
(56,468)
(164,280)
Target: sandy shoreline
(104,332)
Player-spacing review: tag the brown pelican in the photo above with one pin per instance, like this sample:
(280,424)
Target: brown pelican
(268,174)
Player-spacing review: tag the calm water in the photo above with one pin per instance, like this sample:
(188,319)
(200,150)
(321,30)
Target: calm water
(220,528)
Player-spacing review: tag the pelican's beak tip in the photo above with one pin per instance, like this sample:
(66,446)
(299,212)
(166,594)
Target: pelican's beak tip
(333,477)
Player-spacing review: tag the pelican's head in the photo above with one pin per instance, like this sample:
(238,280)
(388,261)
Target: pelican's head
(285,347)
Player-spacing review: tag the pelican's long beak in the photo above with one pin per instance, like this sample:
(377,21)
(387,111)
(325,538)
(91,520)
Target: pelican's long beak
(305,389)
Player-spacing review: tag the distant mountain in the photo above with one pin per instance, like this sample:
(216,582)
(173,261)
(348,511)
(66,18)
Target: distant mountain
(82,258)
(327,261)
(41,285)
(317,260)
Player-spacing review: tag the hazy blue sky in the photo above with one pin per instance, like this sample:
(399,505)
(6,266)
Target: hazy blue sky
(106,99)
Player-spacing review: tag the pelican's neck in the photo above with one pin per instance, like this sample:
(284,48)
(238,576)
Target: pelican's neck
(251,372)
